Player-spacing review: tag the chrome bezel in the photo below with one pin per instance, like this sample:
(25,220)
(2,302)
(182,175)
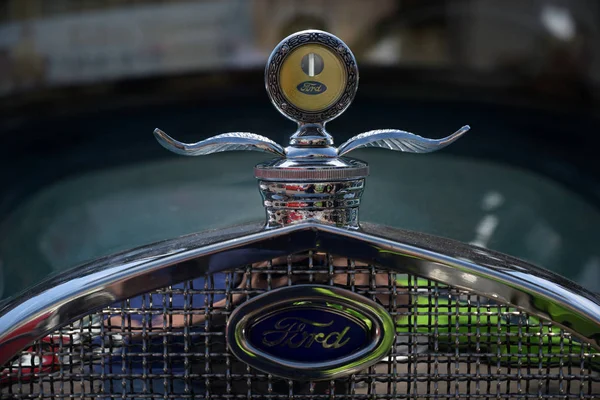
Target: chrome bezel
(381,333)
(285,47)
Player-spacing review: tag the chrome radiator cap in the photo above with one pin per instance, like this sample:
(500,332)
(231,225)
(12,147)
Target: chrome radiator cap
(311,77)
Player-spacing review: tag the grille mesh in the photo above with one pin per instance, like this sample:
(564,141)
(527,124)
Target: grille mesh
(171,344)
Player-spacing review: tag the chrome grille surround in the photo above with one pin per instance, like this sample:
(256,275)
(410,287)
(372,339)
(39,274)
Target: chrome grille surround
(450,341)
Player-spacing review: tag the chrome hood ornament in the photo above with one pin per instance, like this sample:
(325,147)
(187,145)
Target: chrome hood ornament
(311,78)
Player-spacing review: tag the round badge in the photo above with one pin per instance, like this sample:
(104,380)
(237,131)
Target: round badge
(311,77)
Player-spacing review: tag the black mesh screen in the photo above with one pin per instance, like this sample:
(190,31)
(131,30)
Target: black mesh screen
(170,344)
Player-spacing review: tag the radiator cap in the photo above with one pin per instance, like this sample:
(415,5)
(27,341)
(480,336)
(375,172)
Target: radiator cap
(311,77)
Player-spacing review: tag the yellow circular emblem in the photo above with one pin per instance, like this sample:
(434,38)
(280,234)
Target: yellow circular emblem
(312,77)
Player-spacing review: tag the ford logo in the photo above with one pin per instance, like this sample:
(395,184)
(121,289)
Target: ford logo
(325,333)
(311,87)
(310,332)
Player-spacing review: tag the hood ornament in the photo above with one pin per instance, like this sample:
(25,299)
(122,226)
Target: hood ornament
(311,78)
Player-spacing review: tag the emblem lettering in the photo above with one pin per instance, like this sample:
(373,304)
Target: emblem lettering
(310,332)
(295,332)
(311,87)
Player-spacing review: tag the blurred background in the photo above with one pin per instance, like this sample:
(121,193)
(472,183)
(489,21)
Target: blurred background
(84,82)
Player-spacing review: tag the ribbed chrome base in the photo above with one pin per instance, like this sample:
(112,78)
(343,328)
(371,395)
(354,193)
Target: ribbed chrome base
(332,203)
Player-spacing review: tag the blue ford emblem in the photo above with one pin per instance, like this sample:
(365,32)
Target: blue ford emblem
(311,87)
(310,332)
(326,334)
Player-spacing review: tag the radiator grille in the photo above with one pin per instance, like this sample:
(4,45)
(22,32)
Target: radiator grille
(170,344)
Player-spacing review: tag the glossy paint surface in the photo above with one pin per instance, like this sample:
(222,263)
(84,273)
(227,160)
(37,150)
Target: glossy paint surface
(503,208)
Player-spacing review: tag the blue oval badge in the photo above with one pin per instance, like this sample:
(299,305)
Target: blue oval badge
(310,332)
(311,87)
(305,334)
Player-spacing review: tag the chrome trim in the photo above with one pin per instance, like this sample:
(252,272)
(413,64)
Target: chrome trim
(81,291)
(324,190)
(233,141)
(338,169)
(381,333)
(311,135)
(333,202)
(394,139)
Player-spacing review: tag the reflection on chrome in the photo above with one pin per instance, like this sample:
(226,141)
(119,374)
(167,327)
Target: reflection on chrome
(441,329)
(460,341)
(328,269)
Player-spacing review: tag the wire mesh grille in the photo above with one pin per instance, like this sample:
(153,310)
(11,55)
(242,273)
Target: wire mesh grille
(170,344)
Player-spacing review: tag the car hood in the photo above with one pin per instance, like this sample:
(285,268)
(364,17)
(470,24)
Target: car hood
(487,204)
